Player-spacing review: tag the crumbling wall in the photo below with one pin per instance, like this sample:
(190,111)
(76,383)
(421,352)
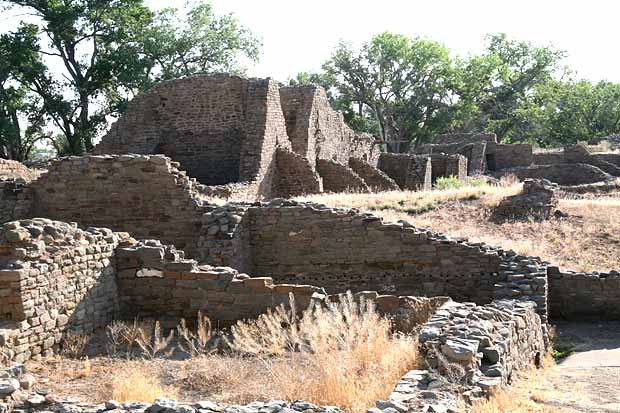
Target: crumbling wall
(339,178)
(612,158)
(54,278)
(448,165)
(376,179)
(221,128)
(319,132)
(144,195)
(579,154)
(295,176)
(14,170)
(562,173)
(410,172)
(579,296)
(475,152)
(15,200)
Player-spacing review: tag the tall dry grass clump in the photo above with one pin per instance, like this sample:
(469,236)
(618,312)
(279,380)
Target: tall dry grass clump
(344,354)
(136,382)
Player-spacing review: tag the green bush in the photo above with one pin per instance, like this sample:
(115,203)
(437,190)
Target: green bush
(444,183)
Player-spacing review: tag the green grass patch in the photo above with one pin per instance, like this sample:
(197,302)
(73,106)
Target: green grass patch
(562,351)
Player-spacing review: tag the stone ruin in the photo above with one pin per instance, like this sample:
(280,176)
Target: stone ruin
(118,235)
(538,201)
(571,167)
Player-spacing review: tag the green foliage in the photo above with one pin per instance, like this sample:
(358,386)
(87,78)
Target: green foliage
(111,50)
(562,351)
(401,86)
(444,183)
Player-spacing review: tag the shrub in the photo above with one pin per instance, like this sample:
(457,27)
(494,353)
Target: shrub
(342,355)
(445,183)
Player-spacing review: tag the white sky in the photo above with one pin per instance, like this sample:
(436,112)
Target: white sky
(300,35)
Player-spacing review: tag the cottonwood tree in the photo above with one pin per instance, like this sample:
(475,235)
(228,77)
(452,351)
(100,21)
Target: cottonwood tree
(405,84)
(111,49)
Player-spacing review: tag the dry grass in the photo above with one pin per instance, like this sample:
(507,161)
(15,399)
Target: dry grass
(136,382)
(589,239)
(536,392)
(342,355)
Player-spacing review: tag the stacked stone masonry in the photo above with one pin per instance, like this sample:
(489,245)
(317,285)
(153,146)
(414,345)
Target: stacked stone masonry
(376,179)
(443,165)
(13,170)
(408,171)
(339,178)
(225,130)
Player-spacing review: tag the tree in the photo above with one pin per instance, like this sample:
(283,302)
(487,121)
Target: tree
(112,49)
(502,82)
(22,117)
(404,84)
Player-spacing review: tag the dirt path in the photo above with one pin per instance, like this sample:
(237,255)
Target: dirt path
(591,375)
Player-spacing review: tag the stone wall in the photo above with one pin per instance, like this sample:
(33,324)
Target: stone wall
(339,178)
(613,158)
(317,131)
(548,158)
(54,279)
(579,296)
(220,128)
(443,165)
(14,170)
(376,179)
(462,138)
(504,156)
(579,154)
(562,173)
(475,152)
(146,196)
(15,200)
(410,172)
(295,176)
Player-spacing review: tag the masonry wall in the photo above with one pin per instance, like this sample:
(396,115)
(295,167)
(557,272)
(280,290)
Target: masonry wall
(562,174)
(339,178)
(579,154)
(612,158)
(220,128)
(319,132)
(475,152)
(511,155)
(581,296)
(548,158)
(376,179)
(443,165)
(410,172)
(14,170)
(144,195)
(15,200)
(54,279)
(295,176)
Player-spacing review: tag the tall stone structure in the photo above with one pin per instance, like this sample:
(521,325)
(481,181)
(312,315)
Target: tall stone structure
(226,130)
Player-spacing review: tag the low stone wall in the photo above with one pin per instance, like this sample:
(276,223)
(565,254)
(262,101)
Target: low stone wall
(295,176)
(339,178)
(54,279)
(410,172)
(595,188)
(376,179)
(537,201)
(613,158)
(580,154)
(443,165)
(579,296)
(489,342)
(341,249)
(562,173)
